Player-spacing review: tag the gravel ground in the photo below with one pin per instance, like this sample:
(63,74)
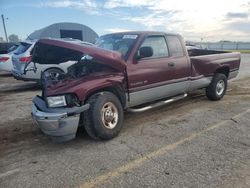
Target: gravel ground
(191,143)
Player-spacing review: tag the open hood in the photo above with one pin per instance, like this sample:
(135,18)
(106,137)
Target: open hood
(56,51)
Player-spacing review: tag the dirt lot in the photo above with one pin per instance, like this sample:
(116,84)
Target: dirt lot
(191,143)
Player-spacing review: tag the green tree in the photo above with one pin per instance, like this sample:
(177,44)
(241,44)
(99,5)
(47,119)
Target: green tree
(13,38)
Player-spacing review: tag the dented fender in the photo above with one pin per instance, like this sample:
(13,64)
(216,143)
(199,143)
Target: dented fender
(85,86)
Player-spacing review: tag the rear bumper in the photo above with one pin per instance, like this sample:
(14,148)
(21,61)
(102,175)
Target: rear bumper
(5,66)
(23,77)
(233,74)
(59,123)
(16,75)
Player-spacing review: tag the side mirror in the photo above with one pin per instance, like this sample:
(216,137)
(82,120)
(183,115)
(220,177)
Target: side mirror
(145,51)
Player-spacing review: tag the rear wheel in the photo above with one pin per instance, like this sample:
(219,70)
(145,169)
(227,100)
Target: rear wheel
(52,74)
(217,88)
(104,118)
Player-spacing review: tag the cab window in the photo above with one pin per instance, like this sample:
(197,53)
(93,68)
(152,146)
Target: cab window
(158,44)
(175,47)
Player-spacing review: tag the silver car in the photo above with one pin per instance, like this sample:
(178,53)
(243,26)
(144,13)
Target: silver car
(5,59)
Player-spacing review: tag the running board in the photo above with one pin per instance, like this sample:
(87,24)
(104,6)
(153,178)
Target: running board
(158,104)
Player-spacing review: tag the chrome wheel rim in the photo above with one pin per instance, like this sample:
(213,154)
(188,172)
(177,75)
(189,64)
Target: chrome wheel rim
(52,75)
(109,114)
(220,87)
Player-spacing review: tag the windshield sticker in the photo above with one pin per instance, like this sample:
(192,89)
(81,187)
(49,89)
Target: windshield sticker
(130,36)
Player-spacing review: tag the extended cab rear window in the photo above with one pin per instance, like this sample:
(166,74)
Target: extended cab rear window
(23,47)
(175,47)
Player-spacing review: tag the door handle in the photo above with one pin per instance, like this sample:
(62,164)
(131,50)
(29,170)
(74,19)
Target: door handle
(171,64)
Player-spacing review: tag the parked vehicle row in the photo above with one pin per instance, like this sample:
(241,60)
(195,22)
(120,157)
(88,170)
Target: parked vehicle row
(18,62)
(132,71)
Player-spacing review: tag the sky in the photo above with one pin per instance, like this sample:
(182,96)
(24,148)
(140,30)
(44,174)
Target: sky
(195,20)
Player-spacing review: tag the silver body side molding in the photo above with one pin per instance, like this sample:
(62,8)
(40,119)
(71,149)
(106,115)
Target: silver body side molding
(157,93)
(199,83)
(165,91)
(157,104)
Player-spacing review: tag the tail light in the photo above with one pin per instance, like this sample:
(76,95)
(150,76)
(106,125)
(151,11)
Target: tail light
(3,59)
(25,59)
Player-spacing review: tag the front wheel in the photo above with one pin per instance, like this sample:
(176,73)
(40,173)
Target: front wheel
(104,118)
(217,88)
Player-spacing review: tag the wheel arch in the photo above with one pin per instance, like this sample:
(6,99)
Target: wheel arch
(48,68)
(117,90)
(223,70)
(40,82)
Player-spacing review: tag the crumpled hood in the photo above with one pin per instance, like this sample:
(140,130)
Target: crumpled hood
(56,51)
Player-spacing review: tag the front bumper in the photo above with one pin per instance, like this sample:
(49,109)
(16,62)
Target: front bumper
(59,123)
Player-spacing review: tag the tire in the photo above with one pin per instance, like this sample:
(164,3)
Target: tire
(217,88)
(51,73)
(104,118)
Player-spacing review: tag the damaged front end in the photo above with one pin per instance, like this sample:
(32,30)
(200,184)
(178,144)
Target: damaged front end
(59,123)
(57,115)
(57,112)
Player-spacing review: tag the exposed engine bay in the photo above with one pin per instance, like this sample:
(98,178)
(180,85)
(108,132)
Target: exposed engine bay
(80,69)
(89,60)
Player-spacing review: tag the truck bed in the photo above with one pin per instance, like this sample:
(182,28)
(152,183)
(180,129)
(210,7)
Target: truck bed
(206,62)
(200,52)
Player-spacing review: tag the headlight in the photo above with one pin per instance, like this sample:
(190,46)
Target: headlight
(56,101)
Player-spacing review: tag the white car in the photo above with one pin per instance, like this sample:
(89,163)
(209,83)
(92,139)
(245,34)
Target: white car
(20,58)
(24,69)
(6,59)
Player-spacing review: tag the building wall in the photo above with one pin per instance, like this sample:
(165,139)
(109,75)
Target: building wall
(53,31)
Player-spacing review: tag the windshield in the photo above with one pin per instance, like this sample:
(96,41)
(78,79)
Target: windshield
(117,42)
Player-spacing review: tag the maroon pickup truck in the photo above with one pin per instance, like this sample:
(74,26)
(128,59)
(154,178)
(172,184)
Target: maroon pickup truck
(132,71)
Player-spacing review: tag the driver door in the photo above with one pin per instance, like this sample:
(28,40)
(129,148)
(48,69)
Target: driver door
(152,78)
